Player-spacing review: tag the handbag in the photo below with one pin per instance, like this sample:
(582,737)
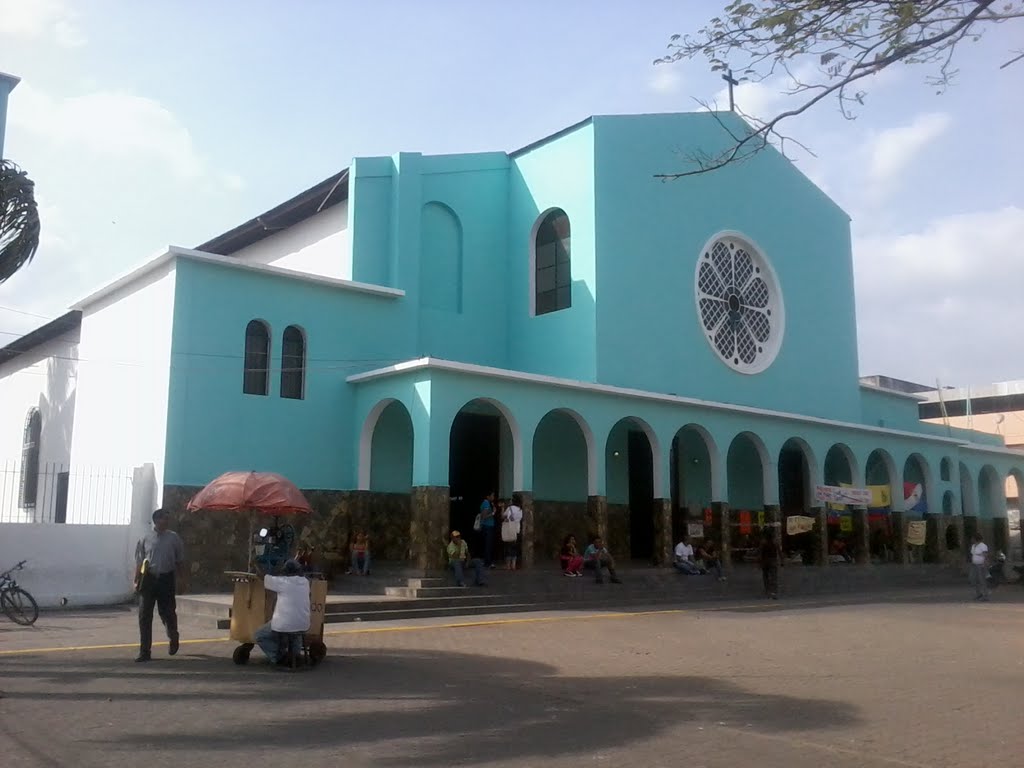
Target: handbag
(509,531)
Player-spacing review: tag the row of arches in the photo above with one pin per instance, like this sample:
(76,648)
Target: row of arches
(630,466)
(256,365)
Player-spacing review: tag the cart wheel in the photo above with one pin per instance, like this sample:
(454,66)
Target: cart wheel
(317,652)
(241,653)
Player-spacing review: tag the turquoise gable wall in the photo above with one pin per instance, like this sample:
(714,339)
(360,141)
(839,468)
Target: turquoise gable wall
(213,427)
(555,174)
(650,235)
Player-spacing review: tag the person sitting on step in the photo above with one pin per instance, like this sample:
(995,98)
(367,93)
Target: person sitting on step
(458,559)
(570,558)
(708,554)
(597,557)
(684,562)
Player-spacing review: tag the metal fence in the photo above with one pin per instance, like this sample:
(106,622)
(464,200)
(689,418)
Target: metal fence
(56,493)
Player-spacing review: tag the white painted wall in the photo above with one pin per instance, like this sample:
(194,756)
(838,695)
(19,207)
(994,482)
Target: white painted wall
(43,378)
(320,245)
(80,564)
(121,403)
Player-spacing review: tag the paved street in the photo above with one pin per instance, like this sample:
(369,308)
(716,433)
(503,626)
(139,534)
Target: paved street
(913,680)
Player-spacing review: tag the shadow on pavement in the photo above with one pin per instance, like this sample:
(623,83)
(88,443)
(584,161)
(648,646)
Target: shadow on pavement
(450,706)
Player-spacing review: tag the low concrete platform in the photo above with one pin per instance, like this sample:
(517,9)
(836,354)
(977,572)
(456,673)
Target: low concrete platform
(389,594)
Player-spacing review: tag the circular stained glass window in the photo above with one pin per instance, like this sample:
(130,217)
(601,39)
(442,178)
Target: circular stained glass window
(739,303)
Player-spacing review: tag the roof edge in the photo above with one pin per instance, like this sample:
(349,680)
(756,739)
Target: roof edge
(44,333)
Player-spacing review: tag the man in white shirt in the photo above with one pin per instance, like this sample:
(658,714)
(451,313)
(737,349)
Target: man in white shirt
(281,637)
(684,558)
(979,573)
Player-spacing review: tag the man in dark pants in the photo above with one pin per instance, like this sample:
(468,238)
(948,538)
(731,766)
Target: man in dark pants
(163,556)
(771,557)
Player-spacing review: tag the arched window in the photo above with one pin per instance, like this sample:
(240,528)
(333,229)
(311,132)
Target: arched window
(293,363)
(945,470)
(552,264)
(256,380)
(30,459)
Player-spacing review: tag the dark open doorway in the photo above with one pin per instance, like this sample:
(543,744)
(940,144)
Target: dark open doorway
(641,497)
(473,466)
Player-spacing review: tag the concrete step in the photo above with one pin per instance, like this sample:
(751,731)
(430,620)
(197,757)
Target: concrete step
(414,592)
(423,583)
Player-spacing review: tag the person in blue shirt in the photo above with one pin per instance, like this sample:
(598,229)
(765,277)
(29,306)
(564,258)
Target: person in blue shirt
(487,528)
(597,556)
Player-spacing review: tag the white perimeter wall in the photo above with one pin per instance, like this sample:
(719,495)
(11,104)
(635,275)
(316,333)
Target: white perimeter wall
(123,381)
(44,378)
(80,564)
(320,245)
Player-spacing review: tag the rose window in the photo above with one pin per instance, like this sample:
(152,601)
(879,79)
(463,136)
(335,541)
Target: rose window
(739,304)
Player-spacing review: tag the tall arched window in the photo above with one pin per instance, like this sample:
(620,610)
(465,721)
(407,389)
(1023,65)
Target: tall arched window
(552,264)
(293,363)
(256,380)
(30,459)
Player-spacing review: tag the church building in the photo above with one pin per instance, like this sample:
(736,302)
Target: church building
(638,358)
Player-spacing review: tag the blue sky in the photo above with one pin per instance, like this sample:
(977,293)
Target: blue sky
(148,124)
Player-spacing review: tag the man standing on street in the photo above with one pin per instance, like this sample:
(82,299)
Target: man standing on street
(163,557)
(979,558)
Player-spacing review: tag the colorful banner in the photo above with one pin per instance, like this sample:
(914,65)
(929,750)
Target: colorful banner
(744,522)
(695,530)
(760,518)
(797,524)
(913,498)
(842,494)
(846,524)
(708,518)
(916,532)
(881,497)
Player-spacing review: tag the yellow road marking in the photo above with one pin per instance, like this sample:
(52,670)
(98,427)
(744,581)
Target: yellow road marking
(360,631)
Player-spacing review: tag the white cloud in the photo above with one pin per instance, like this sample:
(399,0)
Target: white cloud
(40,20)
(113,124)
(892,150)
(666,78)
(942,301)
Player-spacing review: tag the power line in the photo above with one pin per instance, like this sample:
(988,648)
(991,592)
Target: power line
(23,312)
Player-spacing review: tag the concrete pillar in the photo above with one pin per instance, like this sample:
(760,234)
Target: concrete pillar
(935,538)
(720,523)
(527,532)
(597,517)
(899,527)
(428,528)
(820,534)
(861,536)
(662,511)
(958,555)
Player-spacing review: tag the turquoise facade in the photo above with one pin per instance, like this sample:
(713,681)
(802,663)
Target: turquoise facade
(455,234)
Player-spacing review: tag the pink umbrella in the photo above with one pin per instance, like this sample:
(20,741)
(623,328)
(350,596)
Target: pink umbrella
(264,492)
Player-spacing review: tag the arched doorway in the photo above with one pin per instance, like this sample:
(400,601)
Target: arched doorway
(693,460)
(917,506)
(746,465)
(840,470)
(391,450)
(880,478)
(630,460)
(796,470)
(563,477)
(482,454)
(992,503)
(1014,487)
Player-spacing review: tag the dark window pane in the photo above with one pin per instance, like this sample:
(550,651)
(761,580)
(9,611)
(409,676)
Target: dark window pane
(30,459)
(563,298)
(293,363)
(257,358)
(545,279)
(563,275)
(546,255)
(545,302)
(563,250)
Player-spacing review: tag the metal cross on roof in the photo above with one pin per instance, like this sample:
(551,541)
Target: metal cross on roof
(731,81)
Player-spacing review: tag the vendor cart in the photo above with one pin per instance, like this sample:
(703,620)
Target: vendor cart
(252,606)
(263,493)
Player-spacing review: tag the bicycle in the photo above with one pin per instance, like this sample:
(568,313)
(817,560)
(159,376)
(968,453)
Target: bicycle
(19,606)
